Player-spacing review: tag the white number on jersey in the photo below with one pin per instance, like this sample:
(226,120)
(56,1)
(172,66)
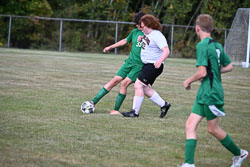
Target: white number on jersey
(139,44)
(218,54)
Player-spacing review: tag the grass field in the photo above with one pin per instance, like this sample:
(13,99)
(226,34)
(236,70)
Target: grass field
(41,123)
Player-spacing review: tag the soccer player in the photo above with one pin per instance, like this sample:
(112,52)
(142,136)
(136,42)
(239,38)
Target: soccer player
(153,54)
(129,70)
(211,61)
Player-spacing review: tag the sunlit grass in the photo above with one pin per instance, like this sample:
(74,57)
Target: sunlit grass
(41,123)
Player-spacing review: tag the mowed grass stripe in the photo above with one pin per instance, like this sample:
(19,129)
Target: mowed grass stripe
(41,123)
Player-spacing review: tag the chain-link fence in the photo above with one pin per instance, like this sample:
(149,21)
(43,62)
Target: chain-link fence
(64,34)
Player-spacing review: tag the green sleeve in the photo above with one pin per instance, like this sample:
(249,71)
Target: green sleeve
(130,36)
(225,60)
(201,56)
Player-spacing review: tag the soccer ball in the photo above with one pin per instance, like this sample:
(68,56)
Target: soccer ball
(87,107)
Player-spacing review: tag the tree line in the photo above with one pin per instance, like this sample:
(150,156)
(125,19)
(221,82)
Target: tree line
(92,37)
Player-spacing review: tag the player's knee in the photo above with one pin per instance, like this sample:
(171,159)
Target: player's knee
(116,80)
(190,127)
(212,130)
(137,86)
(125,83)
(188,124)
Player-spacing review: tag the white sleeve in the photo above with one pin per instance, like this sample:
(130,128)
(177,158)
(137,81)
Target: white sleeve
(161,40)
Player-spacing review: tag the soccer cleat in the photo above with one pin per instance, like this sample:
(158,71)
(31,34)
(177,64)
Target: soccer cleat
(237,160)
(164,109)
(186,165)
(130,114)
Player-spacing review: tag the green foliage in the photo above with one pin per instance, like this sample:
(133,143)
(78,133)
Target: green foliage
(24,31)
(35,33)
(26,7)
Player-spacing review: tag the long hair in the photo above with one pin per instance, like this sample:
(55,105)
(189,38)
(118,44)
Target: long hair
(151,22)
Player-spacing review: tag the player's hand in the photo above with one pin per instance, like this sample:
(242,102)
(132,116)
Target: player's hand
(157,64)
(187,85)
(139,38)
(107,49)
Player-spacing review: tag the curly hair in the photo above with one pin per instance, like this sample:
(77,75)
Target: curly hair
(137,17)
(151,22)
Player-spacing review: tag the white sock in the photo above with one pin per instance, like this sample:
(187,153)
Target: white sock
(137,103)
(156,98)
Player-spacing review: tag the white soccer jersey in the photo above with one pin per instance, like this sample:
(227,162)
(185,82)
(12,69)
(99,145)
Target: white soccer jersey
(152,45)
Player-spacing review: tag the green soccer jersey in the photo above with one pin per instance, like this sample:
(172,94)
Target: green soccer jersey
(210,54)
(135,52)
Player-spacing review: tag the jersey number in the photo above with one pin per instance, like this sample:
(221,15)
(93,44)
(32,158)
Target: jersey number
(139,44)
(218,54)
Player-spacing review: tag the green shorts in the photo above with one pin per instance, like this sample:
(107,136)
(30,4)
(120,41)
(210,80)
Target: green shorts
(204,111)
(129,70)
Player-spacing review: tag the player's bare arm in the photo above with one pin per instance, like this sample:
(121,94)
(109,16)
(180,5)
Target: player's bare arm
(117,44)
(227,68)
(165,53)
(200,73)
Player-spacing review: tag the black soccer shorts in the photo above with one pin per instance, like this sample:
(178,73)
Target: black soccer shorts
(149,73)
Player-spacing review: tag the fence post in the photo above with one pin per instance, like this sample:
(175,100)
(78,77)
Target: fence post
(60,41)
(9,32)
(116,35)
(225,39)
(172,39)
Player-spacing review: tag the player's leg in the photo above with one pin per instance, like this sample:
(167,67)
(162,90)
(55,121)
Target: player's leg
(156,98)
(120,75)
(121,95)
(140,84)
(153,95)
(227,142)
(139,96)
(216,131)
(143,84)
(222,136)
(124,85)
(191,132)
(107,87)
(191,137)
(150,76)
(113,82)
(131,71)
(145,78)
(137,101)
